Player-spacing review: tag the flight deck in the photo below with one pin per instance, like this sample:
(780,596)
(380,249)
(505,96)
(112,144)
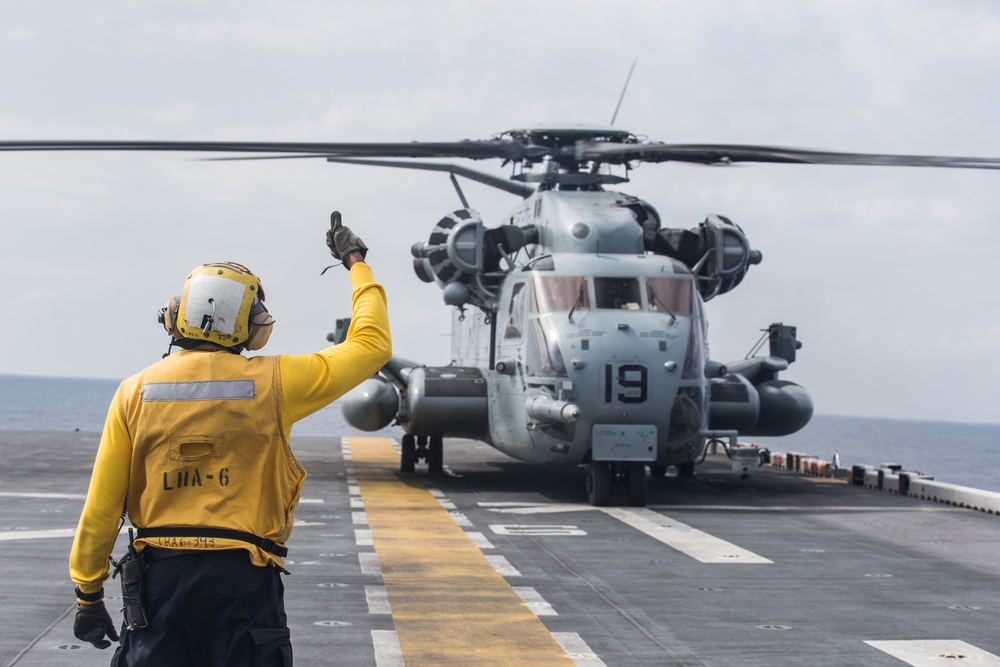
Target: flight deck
(497,562)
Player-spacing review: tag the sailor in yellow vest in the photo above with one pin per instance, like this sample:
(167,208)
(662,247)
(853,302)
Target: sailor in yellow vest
(198,443)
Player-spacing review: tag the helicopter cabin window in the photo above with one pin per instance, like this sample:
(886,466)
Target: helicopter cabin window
(516,315)
(674,296)
(555,294)
(617,293)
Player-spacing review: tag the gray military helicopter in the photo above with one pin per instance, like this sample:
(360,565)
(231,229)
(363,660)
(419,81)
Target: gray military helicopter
(578,328)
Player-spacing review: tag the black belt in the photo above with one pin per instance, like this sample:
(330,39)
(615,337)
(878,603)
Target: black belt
(268,545)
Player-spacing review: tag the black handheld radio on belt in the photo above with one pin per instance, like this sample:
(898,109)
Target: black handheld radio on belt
(131,567)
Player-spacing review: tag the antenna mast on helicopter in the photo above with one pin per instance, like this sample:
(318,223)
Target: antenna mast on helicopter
(624,88)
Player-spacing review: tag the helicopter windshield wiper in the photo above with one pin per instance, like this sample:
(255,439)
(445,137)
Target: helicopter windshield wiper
(580,298)
(653,296)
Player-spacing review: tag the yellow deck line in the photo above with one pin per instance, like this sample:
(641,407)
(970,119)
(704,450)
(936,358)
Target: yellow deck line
(449,606)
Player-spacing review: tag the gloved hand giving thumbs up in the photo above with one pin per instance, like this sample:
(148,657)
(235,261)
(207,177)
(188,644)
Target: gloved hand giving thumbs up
(342,241)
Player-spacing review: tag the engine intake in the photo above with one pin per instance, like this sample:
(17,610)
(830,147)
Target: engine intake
(717,252)
(464,258)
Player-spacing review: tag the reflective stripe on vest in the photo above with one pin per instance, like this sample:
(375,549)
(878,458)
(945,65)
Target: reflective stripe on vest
(206,390)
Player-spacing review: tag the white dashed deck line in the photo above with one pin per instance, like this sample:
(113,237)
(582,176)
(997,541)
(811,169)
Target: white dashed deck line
(503,566)
(368,560)
(377,598)
(690,541)
(54,496)
(534,600)
(387,650)
(934,653)
(10,535)
(577,649)
(479,540)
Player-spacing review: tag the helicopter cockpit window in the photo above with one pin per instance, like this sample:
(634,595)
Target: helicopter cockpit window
(673,296)
(617,293)
(555,294)
(543,358)
(516,315)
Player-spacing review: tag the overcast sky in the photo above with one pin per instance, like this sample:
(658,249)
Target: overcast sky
(889,273)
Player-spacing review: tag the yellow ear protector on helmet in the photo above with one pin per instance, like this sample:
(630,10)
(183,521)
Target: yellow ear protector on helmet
(222,303)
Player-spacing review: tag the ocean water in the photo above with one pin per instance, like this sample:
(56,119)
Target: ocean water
(959,453)
(953,452)
(33,403)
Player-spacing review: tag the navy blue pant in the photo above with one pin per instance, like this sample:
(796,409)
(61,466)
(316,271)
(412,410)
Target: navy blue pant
(208,609)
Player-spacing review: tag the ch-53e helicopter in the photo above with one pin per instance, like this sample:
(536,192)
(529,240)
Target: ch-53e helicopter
(578,329)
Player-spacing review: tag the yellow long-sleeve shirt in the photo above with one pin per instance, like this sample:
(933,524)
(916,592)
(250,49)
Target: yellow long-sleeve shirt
(304,384)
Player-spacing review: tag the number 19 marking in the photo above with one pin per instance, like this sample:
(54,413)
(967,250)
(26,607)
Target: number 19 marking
(631,381)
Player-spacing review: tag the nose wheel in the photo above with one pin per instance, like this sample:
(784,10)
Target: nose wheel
(635,484)
(599,483)
(603,476)
(422,448)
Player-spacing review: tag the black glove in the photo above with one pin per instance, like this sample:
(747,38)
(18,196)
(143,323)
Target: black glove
(341,240)
(92,623)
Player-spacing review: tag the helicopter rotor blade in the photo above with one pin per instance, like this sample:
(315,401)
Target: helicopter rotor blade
(250,158)
(504,149)
(723,154)
(517,150)
(513,187)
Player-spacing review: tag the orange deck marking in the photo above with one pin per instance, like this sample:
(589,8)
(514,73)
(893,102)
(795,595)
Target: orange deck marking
(449,606)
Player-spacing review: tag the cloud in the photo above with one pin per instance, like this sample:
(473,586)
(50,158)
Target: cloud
(33,295)
(19,35)
(175,114)
(883,270)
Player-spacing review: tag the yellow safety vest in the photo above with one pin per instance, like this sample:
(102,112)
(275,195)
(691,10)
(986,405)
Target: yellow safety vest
(209,452)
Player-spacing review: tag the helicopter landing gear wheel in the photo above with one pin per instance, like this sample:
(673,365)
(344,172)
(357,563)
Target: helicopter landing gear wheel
(635,484)
(408,455)
(599,483)
(657,470)
(685,469)
(435,454)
